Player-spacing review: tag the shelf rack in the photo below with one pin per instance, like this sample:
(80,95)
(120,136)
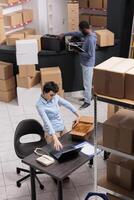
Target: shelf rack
(8,5)
(103,183)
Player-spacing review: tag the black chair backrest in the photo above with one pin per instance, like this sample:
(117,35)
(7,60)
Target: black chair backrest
(26,127)
(91,194)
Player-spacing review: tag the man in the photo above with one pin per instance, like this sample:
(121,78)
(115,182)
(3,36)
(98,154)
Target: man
(48,108)
(87,58)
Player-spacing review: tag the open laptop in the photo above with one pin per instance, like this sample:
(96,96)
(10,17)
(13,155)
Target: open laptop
(67,153)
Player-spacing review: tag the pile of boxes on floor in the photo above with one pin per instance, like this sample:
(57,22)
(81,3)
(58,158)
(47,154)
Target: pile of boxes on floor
(28,83)
(115,78)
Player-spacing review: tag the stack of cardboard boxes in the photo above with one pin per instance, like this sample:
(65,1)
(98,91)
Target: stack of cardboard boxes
(7,82)
(73,16)
(52,74)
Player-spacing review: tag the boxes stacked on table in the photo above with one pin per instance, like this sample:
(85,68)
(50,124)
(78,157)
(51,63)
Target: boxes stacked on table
(73,16)
(52,74)
(111,78)
(7,82)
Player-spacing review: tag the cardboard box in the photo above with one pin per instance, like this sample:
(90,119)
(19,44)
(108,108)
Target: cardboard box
(6,70)
(84,18)
(27,15)
(96,4)
(105,4)
(111,197)
(2,29)
(13,19)
(29,31)
(105,38)
(28,97)
(83,3)
(109,77)
(36,37)
(118,132)
(7,84)
(28,82)
(129,81)
(73,16)
(51,74)
(27,70)
(121,172)
(7,96)
(98,21)
(11,39)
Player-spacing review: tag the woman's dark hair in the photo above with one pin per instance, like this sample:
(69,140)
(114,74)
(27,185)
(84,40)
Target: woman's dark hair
(50,86)
(84,25)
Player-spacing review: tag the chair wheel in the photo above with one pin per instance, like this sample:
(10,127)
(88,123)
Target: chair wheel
(18,184)
(42,187)
(18,171)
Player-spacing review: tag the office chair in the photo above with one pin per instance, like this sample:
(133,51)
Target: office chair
(26,127)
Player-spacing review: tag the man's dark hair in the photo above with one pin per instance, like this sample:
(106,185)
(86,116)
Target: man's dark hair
(84,25)
(50,86)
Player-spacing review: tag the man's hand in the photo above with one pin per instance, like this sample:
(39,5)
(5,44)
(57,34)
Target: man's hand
(57,145)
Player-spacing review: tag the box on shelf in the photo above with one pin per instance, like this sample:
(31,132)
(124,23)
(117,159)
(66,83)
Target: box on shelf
(120,171)
(28,82)
(28,97)
(27,70)
(7,96)
(13,19)
(129,81)
(111,197)
(11,39)
(109,77)
(105,38)
(84,17)
(38,38)
(96,4)
(83,3)
(7,84)
(83,129)
(29,31)
(6,70)
(105,4)
(27,15)
(98,21)
(118,132)
(51,74)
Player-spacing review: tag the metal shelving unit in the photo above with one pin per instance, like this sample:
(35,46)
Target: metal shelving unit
(103,183)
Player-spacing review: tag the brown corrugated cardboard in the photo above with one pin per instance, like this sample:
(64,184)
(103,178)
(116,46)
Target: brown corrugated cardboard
(6,70)
(28,31)
(13,19)
(8,95)
(109,77)
(27,70)
(118,132)
(73,16)
(28,82)
(51,74)
(96,4)
(84,18)
(27,15)
(11,39)
(7,84)
(121,172)
(129,82)
(2,30)
(98,20)
(105,38)
(111,197)
(37,37)
(84,3)
(105,4)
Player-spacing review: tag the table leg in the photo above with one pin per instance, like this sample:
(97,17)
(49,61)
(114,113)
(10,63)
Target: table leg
(60,190)
(33,190)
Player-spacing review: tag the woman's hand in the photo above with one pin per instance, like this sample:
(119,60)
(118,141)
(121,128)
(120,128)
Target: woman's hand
(57,144)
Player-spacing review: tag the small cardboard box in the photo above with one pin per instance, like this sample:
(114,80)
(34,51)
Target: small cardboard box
(51,74)
(11,39)
(27,15)
(7,84)
(83,3)
(6,70)
(111,197)
(13,19)
(29,31)
(84,17)
(96,4)
(7,96)
(105,38)
(121,172)
(129,82)
(83,129)
(27,70)
(36,37)
(109,77)
(28,82)
(105,4)
(118,132)
(98,21)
